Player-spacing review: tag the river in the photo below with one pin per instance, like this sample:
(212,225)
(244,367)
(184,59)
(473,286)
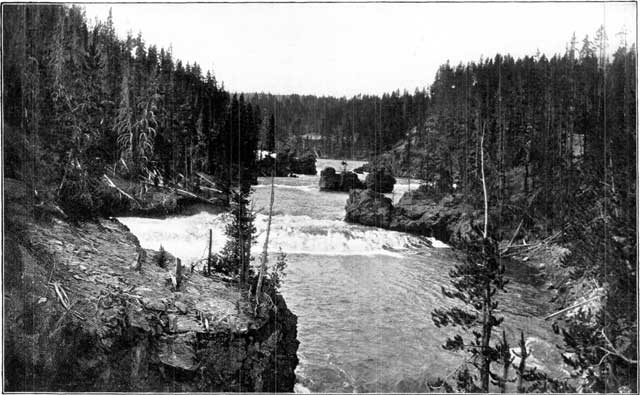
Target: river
(363,296)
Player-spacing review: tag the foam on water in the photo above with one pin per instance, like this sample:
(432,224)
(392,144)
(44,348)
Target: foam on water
(187,237)
(184,237)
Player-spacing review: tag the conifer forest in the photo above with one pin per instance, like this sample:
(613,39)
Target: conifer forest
(475,234)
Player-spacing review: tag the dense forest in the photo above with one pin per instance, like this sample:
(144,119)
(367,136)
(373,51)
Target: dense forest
(347,128)
(559,140)
(558,122)
(78,100)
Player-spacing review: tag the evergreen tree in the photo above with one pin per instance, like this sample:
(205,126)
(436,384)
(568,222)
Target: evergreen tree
(475,283)
(271,134)
(240,233)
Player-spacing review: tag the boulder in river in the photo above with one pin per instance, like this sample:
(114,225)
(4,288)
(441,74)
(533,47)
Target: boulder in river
(343,182)
(304,164)
(286,163)
(380,180)
(280,164)
(368,207)
(362,169)
(450,219)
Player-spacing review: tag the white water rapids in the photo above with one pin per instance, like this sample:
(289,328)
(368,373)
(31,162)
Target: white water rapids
(363,296)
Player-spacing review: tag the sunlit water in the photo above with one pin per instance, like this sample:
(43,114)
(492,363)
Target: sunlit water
(363,296)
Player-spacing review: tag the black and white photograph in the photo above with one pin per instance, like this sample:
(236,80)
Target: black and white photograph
(320,197)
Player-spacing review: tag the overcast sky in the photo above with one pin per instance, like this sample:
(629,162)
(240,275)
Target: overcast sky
(346,49)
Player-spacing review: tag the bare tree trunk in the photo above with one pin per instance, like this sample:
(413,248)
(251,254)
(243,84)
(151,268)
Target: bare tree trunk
(506,362)
(523,362)
(209,256)
(265,248)
(486,306)
(484,184)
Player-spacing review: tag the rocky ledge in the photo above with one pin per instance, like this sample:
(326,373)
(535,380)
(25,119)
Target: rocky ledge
(339,182)
(448,219)
(380,180)
(287,163)
(87,309)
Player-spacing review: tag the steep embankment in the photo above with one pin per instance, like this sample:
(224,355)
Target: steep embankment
(448,219)
(87,309)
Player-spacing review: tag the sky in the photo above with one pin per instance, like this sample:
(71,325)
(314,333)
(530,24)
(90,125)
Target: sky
(348,49)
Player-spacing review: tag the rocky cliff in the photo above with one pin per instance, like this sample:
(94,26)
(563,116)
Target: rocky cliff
(449,219)
(87,309)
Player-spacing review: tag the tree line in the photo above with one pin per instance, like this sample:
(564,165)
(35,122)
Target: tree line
(550,122)
(81,103)
(355,127)
(78,100)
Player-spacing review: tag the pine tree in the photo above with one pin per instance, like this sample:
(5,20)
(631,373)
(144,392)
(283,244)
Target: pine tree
(240,236)
(271,134)
(475,283)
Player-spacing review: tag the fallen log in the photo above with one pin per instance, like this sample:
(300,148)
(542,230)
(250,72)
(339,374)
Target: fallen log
(513,238)
(211,189)
(572,307)
(112,185)
(207,179)
(183,193)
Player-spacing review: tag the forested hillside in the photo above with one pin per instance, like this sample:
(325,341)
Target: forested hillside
(554,138)
(77,100)
(348,128)
(552,126)
(559,141)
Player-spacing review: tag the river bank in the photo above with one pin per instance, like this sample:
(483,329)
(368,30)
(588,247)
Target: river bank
(88,309)
(450,220)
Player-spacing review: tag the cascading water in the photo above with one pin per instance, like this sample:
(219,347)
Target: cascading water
(363,295)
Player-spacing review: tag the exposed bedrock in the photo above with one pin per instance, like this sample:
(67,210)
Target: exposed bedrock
(380,180)
(339,182)
(88,309)
(449,219)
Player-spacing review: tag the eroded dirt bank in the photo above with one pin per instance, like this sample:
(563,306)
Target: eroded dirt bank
(87,309)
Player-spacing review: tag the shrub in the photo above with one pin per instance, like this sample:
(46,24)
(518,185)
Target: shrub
(277,272)
(162,258)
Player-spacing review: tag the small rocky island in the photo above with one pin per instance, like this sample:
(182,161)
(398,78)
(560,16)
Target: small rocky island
(345,181)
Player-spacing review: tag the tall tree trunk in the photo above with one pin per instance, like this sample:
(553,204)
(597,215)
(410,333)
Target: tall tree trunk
(486,306)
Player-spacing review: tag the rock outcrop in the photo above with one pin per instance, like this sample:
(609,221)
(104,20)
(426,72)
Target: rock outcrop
(266,167)
(305,164)
(362,169)
(370,208)
(339,182)
(449,219)
(380,180)
(87,309)
(287,163)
